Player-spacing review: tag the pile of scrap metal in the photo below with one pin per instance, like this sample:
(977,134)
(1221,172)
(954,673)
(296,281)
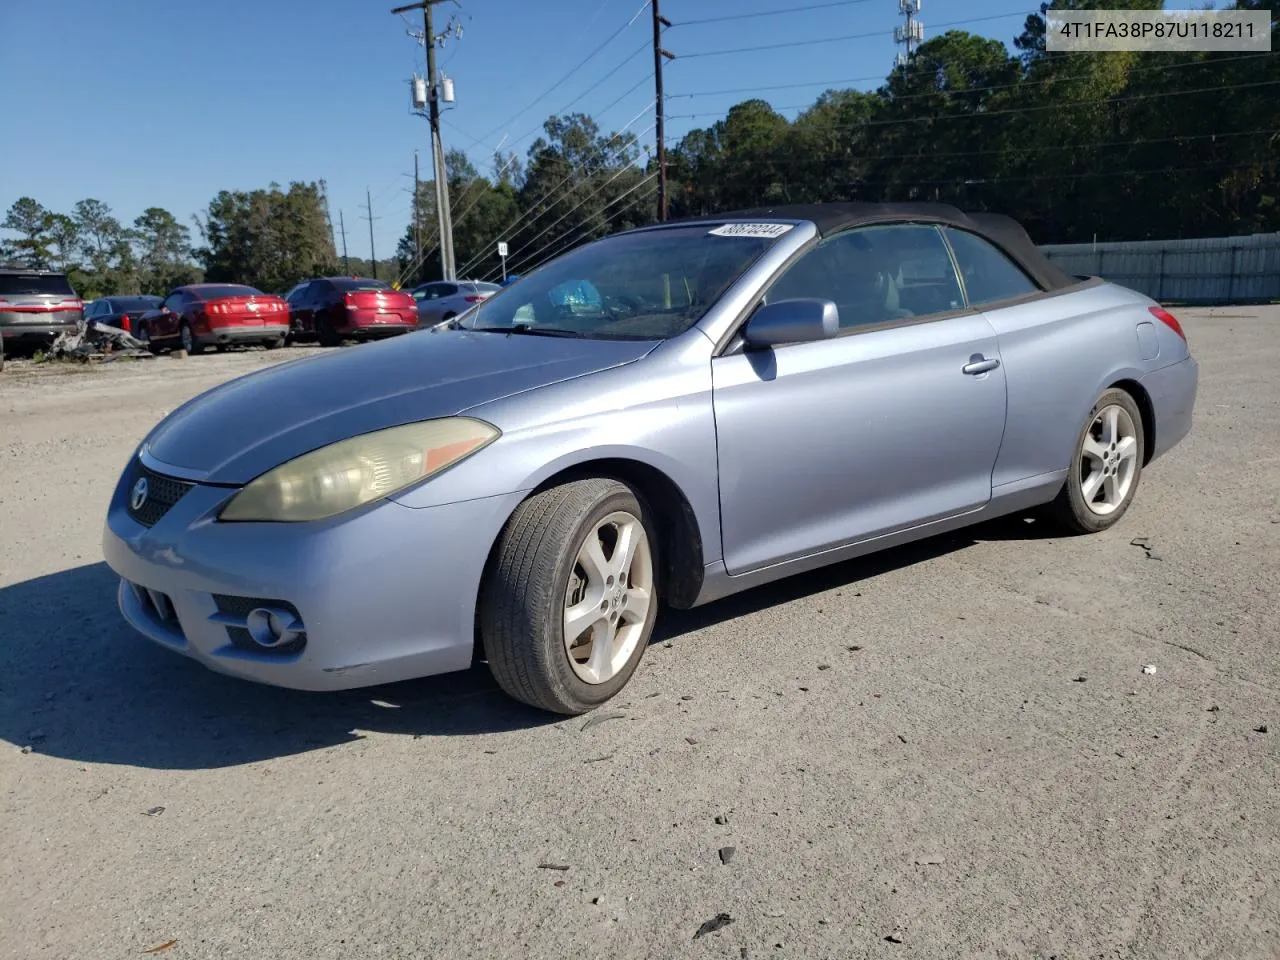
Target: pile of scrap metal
(96,341)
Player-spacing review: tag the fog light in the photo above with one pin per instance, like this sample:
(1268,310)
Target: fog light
(271,627)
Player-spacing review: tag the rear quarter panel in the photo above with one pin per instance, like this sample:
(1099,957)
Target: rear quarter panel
(1059,353)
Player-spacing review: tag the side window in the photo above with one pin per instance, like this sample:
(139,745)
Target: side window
(445,290)
(294,296)
(989,275)
(876,274)
(174,302)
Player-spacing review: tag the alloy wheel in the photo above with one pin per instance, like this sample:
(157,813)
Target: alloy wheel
(1108,460)
(609,599)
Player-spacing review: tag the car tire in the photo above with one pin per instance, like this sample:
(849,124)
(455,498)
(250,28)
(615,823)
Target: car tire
(447,317)
(275,343)
(325,333)
(187,340)
(143,336)
(1,354)
(1105,468)
(537,575)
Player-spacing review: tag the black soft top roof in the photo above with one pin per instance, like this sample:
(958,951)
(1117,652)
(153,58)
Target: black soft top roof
(1005,232)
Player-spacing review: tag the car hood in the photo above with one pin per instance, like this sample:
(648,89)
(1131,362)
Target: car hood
(242,428)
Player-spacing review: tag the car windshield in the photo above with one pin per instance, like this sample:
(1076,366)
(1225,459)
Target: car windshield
(485,287)
(44,284)
(649,285)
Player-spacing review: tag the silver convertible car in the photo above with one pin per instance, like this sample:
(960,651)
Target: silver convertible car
(665,416)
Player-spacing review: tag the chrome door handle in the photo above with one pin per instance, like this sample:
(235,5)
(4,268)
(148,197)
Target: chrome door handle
(979,364)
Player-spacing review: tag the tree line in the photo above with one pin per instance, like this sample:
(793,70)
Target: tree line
(1116,146)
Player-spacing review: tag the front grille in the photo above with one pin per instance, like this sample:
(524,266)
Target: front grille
(162,493)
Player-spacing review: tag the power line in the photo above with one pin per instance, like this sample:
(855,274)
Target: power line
(840,39)
(644,47)
(619,172)
(769,13)
(786,160)
(1013,110)
(550,195)
(578,241)
(582,63)
(1002,86)
(560,239)
(1036,178)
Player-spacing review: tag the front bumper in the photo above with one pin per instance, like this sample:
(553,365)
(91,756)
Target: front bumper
(228,335)
(1172,390)
(386,593)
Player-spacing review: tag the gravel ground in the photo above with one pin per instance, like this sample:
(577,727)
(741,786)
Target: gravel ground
(946,750)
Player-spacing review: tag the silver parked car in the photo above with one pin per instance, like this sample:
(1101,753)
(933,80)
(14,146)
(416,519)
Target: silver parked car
(443,300)
(668,415)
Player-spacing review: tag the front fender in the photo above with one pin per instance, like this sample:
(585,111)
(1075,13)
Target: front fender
(659,415)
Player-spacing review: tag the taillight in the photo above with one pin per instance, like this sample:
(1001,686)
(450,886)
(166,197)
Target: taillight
(124,323)
(212,308)
(473,299)
(1168,319)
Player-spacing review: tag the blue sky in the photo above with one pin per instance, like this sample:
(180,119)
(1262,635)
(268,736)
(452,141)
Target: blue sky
(165,102)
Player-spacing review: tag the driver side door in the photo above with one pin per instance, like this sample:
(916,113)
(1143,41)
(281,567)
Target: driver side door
(894,422)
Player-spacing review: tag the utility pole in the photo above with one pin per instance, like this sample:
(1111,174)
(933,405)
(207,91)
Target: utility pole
(324,204)
(659,21)
(373,256)
(346,261)
(444,215)
(417,233)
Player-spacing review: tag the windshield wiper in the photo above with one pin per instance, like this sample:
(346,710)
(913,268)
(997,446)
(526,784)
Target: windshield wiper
(530,330)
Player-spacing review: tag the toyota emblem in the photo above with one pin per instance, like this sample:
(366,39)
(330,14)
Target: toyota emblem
(139,496)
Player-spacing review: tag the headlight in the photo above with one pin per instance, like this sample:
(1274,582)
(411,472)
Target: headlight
(350,473)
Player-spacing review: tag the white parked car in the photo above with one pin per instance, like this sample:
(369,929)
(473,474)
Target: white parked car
(443,300)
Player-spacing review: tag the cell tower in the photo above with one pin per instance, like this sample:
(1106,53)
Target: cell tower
(911,33)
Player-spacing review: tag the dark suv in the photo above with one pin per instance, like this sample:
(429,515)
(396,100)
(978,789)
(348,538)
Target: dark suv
(35,306)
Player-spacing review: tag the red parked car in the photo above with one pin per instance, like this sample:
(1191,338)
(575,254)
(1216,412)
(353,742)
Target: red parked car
(331,308)
(215,315)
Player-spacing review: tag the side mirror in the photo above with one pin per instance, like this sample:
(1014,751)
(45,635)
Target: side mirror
(792,321)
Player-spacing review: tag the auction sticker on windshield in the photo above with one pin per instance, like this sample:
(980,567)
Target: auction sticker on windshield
(766,231)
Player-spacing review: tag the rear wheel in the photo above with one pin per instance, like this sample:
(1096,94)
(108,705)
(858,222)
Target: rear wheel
(188,339)
(275,343)
(1106,467)
(571,596)
(325,332)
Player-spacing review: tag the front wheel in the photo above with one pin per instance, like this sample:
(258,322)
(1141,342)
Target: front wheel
(1106,467)
(571,596)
